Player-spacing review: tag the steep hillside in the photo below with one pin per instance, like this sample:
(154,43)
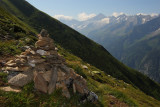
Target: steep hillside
(140,49)
(13,34)
(80,46)
(110,91)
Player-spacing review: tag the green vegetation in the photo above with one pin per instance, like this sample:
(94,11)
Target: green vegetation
(75,43)
(29,97)
(14,34)
(105,86)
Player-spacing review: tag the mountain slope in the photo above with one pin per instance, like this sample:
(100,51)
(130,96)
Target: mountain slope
(13,34)
(107,30)
(118,27)
(140,49)
(111,92)
(79,45)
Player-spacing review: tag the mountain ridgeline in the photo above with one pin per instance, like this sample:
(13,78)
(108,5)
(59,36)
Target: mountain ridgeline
(140,49)
(79,45)
(131,39)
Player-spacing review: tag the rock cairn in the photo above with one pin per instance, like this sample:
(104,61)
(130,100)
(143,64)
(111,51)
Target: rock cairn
(43,65)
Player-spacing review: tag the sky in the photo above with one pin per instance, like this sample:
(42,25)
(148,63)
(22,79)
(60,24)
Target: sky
(85,9)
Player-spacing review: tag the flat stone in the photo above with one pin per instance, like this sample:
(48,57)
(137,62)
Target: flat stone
(47,76)
(24,68)
(43,67)
(41,43)
(65,91)
(40,83)
(32,64)
(10,61)
(74,88)
(21,79)
(21,56)
(27,52)
(61,75)
(52,52)
(52,83)
(12,69)
(32,52)
(10,89)
(20,61)
(34,61)
(41,52)
(11,64)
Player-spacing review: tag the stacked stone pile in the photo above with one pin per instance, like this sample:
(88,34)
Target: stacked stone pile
(47,69)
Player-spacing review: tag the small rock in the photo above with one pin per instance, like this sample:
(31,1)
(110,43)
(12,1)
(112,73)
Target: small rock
(36,60)
(11,64)
(56,48)
(32,64)
(10,61)
(41,52)
(44,33)
(65,91)
(84,67)
(32,52)
(74,88)
(20,61)
(10,89)
(12,69)
(92,97)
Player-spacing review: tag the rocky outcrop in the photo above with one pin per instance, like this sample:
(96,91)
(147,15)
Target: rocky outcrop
(43,65)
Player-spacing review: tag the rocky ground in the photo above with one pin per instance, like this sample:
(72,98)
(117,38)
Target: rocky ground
(43,65)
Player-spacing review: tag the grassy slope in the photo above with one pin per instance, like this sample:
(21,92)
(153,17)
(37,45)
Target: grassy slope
(105,86)
(18,34)
(79,45)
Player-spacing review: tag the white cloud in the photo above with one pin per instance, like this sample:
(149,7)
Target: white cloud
(105,20)
(63,17)
(115,14)
(83,16)
(154,14)
(142,14)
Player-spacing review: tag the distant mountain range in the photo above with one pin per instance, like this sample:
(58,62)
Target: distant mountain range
(20,22)
(134,40)
(101,21)
(140,49)
(105,30)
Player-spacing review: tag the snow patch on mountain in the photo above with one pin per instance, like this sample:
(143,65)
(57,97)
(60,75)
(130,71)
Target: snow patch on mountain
(105,20)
